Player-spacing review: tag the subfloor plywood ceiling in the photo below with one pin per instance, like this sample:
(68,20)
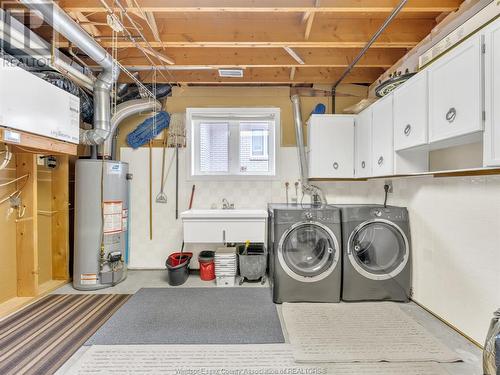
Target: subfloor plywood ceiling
(273,41)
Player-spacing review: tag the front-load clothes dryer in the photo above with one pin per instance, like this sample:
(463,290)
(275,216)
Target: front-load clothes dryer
(305,253)
(376,253)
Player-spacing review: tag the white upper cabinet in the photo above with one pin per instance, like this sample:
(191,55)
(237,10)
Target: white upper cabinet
(382,137)
(455,92)
(491,152)
(331,146)
(411,113)
(363,136)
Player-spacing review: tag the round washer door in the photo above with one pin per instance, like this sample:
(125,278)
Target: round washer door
(378,249)
(308,251)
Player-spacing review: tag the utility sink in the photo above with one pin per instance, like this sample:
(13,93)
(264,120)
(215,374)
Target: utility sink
(224,214)
(224,225)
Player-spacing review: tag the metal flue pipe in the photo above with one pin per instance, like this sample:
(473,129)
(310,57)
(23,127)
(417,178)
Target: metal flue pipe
(123,111)
(64,24)
(315,192)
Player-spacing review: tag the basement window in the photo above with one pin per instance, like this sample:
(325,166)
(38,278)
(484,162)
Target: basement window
(232,141)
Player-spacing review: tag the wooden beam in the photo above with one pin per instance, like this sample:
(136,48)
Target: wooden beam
(293,44)
(86,24)
(267,32)
(267,57)
(270,76)
(273,6)
(309,24)
(294,55)
(60,219)
(152,24)
(158,55)
(292,73)
(41,144)
(310,20)
(27,228)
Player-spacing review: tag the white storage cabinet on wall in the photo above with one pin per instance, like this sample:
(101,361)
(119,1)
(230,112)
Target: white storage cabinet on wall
(363,144)
(411,113)
(331,146)
(28,103)
(491,154)
(382,137)
(455,92)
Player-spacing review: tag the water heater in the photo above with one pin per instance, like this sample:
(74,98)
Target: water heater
(101,223)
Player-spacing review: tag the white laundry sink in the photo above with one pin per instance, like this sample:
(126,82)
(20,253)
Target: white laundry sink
(224,214)
(221,226)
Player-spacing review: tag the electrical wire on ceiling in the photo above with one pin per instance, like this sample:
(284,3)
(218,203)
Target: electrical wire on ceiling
(137,27)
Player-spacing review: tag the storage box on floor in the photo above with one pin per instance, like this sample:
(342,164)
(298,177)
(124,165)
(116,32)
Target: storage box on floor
(225,266)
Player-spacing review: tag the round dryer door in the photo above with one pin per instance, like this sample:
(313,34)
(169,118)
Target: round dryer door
(378,249)
(308,251)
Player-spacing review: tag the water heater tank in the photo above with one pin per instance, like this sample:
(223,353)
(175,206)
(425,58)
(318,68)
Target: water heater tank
(101,223)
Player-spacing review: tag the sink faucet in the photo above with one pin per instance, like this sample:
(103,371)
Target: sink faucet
(226,205)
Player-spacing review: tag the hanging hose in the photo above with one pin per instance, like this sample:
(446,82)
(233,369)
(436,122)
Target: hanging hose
(149,129)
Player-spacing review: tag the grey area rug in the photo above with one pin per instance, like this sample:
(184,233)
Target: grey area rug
(193,316)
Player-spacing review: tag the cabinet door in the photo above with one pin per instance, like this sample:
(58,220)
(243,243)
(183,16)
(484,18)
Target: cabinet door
(382,138)
(411,113)
(492,95)
(363,136)
(455,92)
(331,146)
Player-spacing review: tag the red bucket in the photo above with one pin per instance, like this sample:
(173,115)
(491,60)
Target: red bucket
(176,259)
(207,265)
(207,271)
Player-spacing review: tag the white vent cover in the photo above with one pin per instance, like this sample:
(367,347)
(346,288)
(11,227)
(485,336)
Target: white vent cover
(231,73)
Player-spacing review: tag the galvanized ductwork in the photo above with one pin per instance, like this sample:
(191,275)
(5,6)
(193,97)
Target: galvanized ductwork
(123,111)
(315,192)
(65,25)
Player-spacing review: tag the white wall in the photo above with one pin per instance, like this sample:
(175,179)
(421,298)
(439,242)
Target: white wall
(455,225)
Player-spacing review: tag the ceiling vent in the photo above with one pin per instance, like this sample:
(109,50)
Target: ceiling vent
(231,73)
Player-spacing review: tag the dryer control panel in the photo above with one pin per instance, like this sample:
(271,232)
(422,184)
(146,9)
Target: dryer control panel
(389,214)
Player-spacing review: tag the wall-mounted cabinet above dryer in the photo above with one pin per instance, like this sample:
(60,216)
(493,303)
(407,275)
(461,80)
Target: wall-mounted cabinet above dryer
(382,137)
(491,152)
(363,137)
(411,113)
(456,95)
(331,146)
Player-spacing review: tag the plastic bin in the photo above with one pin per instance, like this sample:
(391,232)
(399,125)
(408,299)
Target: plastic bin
(252,262)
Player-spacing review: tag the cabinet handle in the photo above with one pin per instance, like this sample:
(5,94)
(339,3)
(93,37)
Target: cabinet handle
(363,164)
(380,160)
(451,115)
(335,165)
(224,236)
(407,130)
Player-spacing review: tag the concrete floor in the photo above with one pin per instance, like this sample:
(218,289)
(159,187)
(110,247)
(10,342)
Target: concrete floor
(138,279)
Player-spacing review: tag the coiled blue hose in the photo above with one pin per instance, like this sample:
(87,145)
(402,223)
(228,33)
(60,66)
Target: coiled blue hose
(149,129)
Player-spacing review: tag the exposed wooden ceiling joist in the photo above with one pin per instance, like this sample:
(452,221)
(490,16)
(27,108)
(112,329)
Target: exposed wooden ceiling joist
(271,76)
(225,32)
(273,6)
(265,57)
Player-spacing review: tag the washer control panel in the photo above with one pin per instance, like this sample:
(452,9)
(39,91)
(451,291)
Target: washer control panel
(319,215)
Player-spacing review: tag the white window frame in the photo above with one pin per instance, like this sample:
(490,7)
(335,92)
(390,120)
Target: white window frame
(233,115)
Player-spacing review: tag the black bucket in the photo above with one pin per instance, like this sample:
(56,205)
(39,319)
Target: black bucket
(178,274)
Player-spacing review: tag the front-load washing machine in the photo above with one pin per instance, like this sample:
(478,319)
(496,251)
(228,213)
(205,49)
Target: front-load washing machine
(305,253)
(376,253)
